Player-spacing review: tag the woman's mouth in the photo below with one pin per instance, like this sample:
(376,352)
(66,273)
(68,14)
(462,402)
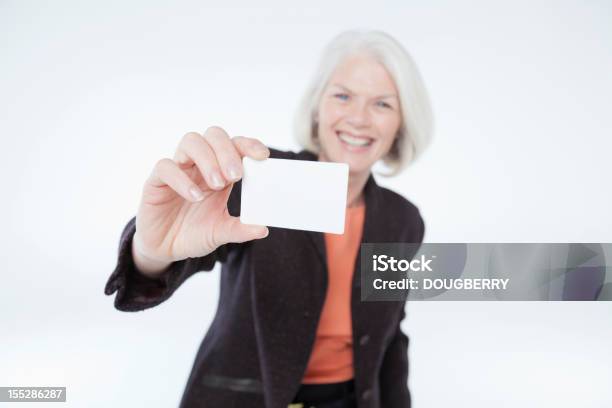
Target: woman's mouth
(353,141)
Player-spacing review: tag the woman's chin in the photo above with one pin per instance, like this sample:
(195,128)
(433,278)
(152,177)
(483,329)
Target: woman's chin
(357,165)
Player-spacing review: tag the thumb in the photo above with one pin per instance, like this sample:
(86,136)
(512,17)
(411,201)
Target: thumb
(232,230)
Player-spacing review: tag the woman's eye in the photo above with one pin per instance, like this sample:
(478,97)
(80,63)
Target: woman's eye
(341,96)
(383,104)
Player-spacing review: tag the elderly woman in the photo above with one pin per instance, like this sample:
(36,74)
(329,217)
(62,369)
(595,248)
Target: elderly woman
(290,330)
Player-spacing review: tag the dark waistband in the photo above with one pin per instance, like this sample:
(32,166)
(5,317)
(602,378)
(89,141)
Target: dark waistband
(317,393)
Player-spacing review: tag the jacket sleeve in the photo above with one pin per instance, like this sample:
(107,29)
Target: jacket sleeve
(394,392)
(136,291)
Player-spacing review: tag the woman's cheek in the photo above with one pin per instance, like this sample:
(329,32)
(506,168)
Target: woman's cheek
(334,114)
(391,127)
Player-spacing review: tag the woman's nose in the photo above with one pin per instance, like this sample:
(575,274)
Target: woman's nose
(358,115)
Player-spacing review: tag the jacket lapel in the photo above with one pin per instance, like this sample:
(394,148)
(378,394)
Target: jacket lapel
(374,219)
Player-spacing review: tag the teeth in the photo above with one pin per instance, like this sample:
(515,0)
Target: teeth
(354,141)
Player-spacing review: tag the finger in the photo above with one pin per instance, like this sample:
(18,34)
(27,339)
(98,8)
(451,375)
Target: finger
(232,230)
(248,146)
(193,149)
(226,153)
(167,173)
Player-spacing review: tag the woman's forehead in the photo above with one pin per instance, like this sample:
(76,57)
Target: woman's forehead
(363,74)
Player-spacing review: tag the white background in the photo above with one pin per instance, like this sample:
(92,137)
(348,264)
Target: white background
(93,93)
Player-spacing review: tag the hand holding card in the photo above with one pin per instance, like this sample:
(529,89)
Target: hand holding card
(296,194)
(183,211)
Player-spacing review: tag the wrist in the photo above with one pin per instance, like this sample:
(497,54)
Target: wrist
(145,264)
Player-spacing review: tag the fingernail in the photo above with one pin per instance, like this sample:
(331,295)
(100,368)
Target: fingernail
(233,173)
(217,181)
(196,193)
(261,150)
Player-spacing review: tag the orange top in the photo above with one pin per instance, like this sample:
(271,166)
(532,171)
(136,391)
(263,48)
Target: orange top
(331,359)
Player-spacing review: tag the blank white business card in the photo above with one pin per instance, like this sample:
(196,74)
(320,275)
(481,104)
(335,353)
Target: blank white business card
(296,194)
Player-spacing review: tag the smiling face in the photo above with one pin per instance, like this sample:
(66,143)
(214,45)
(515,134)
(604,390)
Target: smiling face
(359,114)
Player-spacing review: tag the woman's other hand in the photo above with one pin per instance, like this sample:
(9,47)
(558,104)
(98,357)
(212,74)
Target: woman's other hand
(183,210)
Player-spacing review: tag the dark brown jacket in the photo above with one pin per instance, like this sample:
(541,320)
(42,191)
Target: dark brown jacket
(272,291)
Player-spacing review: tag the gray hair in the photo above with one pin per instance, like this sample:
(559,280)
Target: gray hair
(416,129)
